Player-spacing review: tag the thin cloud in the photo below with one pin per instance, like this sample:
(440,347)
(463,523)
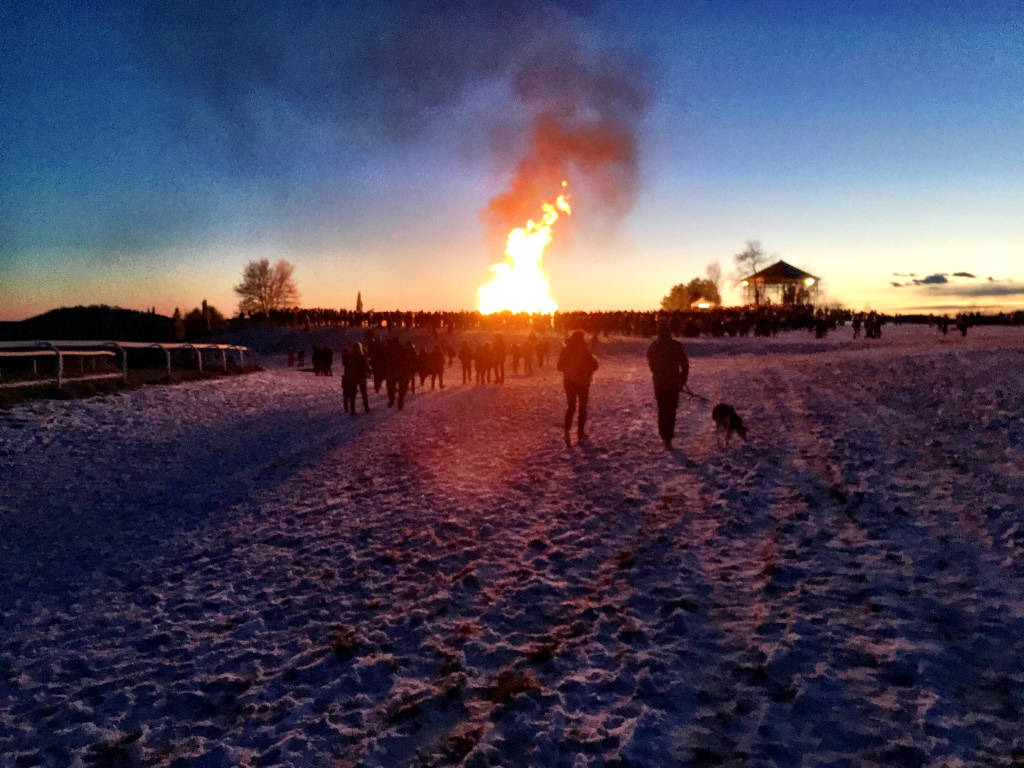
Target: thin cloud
(939,284)
(1003,289)
(991,289)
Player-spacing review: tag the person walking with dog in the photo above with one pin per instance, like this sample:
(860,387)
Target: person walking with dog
(577,365)
(670,368)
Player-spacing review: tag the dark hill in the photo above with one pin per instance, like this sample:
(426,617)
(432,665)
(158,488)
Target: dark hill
(95,322)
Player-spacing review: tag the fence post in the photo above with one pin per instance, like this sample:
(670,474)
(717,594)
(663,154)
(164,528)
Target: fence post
(167,356)
(123,354)
(224,358)
(60,368)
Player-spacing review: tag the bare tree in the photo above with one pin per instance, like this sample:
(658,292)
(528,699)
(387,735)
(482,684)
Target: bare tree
(749,260)
(265,287)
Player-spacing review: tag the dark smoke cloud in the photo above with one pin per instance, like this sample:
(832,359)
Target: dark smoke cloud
(378,71)
(584,106)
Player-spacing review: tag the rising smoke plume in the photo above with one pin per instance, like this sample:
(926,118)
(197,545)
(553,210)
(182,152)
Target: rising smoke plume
(272,75)
(276,96)
(584,107)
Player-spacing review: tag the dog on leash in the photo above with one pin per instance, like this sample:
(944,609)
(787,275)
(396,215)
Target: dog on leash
(727,420)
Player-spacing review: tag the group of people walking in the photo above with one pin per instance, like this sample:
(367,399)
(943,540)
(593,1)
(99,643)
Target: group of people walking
(486,363)
(669,365)
(394,366)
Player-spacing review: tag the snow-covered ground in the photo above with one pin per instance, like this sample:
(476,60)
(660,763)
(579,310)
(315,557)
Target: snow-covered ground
(235,572)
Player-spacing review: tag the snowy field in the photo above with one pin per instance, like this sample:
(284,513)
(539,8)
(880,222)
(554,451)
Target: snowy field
(236,573)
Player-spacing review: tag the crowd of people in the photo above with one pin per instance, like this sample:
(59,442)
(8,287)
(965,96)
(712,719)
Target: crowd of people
(764,320)
(397,367)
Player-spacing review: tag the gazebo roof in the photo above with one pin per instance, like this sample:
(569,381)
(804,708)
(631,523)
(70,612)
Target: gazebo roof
(781,271)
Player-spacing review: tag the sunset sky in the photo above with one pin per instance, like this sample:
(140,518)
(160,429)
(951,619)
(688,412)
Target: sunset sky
(149,150)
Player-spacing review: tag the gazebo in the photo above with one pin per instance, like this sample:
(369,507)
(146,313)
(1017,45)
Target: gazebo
(781,283)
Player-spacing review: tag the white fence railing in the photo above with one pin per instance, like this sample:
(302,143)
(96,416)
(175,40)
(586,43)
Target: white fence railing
(93,351)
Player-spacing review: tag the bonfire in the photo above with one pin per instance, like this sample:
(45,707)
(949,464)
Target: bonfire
(519,283)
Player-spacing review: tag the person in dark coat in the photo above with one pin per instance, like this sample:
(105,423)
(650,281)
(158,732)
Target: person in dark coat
(353,380)
(466,358)
(423,366)
(498,358)
(482,360)
(375,353)
(670,368)
(528,350)
(436,366)
(541,345)
(408,361)
(392,356)
(577,365)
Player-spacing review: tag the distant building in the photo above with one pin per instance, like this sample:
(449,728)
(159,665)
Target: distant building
(781,283)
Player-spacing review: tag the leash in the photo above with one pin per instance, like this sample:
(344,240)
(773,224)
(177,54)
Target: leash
(685,389)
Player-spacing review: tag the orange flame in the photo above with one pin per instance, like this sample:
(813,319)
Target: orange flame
(519,284)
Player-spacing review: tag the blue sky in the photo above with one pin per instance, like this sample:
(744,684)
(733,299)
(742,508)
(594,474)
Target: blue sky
(148,150)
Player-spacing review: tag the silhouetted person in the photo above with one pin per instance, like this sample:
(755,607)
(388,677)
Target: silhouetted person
(423,366)
(528,350)
(670,368)
(302,357)
(498,358)
(577,366)
(436,366)
(375,351)
(356,368)
(541,345)
(466,358)
(392,355)
(291,357)
(482,360)
(407,361)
